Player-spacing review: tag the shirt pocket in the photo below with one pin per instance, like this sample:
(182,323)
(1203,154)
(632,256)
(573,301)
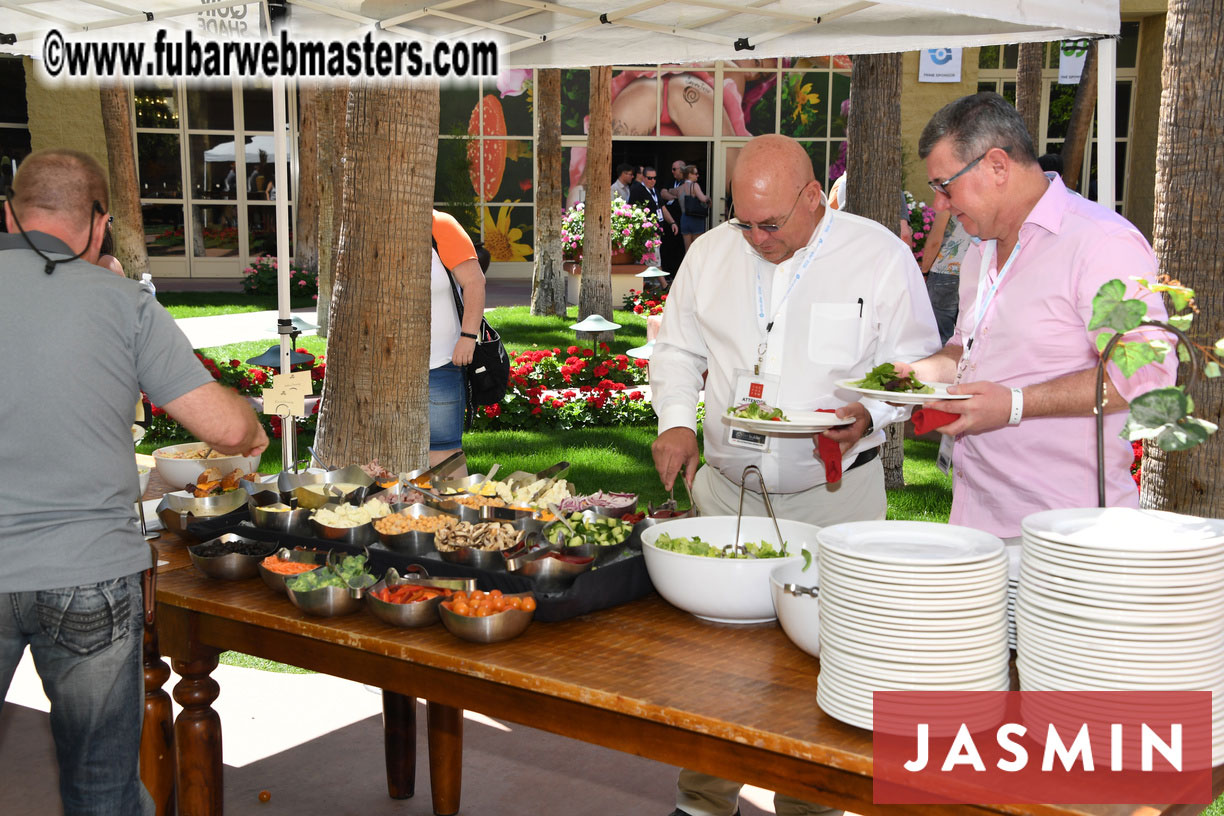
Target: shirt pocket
(835,338)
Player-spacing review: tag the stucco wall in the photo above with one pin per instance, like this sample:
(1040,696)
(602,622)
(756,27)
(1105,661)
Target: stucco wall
(65,115)
(919,102)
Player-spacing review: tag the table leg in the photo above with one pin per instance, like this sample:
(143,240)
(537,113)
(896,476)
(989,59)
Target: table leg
(157,733)
(197,732)
(444,725)
(399,743)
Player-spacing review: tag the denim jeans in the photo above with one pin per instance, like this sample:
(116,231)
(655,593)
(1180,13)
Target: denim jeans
(86,643)
(447,402)
(944,291)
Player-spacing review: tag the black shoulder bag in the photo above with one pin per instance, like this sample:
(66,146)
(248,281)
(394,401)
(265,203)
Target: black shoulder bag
(488,375)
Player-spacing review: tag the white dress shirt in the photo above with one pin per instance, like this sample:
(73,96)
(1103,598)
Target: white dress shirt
(861,302)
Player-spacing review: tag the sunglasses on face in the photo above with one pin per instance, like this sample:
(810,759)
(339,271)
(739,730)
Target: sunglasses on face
(770,227)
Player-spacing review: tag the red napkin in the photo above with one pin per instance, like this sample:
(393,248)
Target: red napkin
(830,453)
(928,419)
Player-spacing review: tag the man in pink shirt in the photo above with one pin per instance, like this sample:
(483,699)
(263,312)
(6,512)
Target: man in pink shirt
(1026,440)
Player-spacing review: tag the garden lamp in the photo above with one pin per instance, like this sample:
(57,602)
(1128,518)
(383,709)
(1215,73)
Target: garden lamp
(595,324)
(271,358)
(642,352)
(302,326)
(650,272)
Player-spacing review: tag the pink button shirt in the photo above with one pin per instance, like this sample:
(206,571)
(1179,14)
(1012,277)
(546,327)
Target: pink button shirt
(1035,330)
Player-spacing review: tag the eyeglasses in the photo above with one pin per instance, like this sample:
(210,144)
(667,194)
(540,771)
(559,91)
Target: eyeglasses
(651,178)
(747,226)
(942,186)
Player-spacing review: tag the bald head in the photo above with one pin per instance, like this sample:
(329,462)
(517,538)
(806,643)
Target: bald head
(59,186)
(775,191)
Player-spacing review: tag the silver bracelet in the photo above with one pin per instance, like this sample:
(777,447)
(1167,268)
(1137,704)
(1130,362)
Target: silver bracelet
(1017,408)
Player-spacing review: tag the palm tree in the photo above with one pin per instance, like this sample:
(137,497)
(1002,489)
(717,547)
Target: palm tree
(548,285)
(128,226)
(595,296)
(1187,236)
(377,387)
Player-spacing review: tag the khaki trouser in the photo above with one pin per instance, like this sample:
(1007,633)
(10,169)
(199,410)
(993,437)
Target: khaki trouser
(858,497)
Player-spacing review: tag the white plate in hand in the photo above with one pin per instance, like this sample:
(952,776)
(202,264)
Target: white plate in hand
(904,397)
(800,422)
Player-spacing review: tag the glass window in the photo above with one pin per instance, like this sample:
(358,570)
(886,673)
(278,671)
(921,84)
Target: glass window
(635,108)
(575,100)
(508,232)
(163,226)
(1011,56)
(210,159)
(261,228)
(458,102)
(161,174)
(13,91)
(216,231)
(573,174)
(516,92)
(14,146)
(1128,45)
(1062,99)
(1122,111)
(988,57)
(257,109)
(805,104)
(210,109)
(838,95)
(758,101)
(156,106)
(516,163)
(453,182)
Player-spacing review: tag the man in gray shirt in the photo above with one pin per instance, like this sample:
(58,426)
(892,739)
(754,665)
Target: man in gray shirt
(80,345)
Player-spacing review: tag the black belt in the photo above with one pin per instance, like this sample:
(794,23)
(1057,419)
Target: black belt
(863,458)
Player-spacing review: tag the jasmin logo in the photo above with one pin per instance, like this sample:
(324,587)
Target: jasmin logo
(1042,747)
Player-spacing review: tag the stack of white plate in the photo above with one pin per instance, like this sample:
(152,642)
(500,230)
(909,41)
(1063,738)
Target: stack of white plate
(908,605)
(1122,599)
(1013,584)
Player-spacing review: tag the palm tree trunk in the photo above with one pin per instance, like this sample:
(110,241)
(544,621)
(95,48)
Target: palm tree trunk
(306,204)
(873,181)
(128,227)
(377,388)
(595,296)
(548,287)
(330,105)
(1079,129)
(1188,239)
(1028,88)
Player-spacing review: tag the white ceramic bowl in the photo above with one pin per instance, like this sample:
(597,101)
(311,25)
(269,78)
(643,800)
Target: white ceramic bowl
(723,590)
(178,472)
(798,615)
(144,472)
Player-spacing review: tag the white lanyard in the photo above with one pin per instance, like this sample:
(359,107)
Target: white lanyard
(767,325)
(983,302)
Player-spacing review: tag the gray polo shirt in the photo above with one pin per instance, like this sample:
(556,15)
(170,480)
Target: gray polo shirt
(76,348)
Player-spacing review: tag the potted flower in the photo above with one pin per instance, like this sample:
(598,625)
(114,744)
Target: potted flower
(633,230)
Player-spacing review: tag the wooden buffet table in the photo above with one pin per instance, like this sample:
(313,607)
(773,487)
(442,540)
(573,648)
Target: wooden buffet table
(644,678)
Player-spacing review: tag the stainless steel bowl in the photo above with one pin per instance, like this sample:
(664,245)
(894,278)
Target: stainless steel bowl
(462,484)
(263,491)
(553,572)
(232,566)
(297,484)
(525,520)
(328,601)
(493,629)
(471,557)
(179,508)
(602,553)
(294,521)
(421,613)
(360,536)
(275,580)
(414,542)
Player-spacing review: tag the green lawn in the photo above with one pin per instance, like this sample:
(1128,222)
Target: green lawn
(205,304)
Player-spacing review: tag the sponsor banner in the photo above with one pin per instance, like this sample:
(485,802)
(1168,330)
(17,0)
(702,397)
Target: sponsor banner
(1042,747)
(939,65)
(1071,60)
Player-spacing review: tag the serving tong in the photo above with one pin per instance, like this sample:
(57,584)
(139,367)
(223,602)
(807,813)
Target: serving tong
(671,503)
(736,547)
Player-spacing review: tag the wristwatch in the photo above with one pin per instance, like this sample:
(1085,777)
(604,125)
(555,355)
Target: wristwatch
(870,426)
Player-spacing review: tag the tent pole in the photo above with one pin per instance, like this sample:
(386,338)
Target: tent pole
(284,325)
(1107,76)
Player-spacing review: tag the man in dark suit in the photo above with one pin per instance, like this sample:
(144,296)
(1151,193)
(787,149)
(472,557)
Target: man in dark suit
(673,245)
(643,194)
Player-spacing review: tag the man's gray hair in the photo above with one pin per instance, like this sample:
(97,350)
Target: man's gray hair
(977,123)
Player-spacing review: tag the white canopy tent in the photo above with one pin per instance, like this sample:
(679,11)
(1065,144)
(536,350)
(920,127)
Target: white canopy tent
(258,149)
(573,33)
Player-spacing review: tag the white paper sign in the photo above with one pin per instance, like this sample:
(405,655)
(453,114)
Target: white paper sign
(286,396)
(939,65)
(1071,60)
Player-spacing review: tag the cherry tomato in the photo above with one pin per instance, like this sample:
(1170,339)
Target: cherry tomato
(265,796)
(529,604)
